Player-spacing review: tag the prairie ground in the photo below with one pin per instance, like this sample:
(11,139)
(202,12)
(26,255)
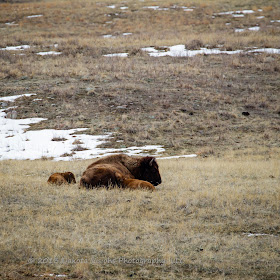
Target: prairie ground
(189,104)
(209,219)
(213,217)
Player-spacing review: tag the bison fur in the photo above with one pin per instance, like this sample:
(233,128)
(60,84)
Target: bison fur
(62,178)
(103,171)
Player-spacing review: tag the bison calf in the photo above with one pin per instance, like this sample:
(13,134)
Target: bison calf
(133,183)
(62,178)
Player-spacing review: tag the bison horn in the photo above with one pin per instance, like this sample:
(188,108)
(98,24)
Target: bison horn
(151,162)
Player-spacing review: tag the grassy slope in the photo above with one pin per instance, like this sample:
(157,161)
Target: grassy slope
(203,207)
(188,105)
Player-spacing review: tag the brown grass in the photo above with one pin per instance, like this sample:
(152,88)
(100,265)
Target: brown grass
(199,215)
(189,105)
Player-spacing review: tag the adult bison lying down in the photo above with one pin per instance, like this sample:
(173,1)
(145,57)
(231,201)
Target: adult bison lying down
(62,178)
(103,171)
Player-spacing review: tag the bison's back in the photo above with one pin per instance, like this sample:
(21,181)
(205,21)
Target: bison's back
(57,179)
(103,175)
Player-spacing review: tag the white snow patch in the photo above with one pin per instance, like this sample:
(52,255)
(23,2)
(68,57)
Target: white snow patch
(254,28)
(239,30)
(276,20)
(34,16)
(187,9)
(14,97)
(116,55)
(123,8)
(109,36)
(111,6)
(234,13)
(260,17)
(127,34)
(266,50)
(181,156)
(151,7)
(17,143)
(241,15)
(181,51)
(258,234)
(11,23)
(15,48)
(49,53)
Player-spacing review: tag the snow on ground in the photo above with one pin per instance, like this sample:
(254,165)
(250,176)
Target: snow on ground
(266,50)
(254,28)
(181,51)
(11,23)
(158,8)
(258,234)
(15,48)
(236,13)
(49,53)
(116,55)
(17,143)
(34,16)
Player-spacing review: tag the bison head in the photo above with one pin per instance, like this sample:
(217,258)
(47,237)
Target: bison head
(69,176)
(150,171)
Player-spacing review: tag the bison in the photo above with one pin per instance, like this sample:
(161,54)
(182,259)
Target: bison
(103,171)
(62,178)
(133,183)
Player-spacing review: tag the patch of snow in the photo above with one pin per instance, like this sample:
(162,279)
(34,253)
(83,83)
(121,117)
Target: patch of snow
(260,17)
(49,53)
(187,9)
(255,28)
(15,48)
(112,6)
(17,143)
(228,23)
(126,34)
(276,20)
(235,12)
(182,156)
(266,50)
(258,234)
(152,7)
(109,36)
(34,16)
(11,23)
(116,55)
(14,97)
(181,51)
(238,15)
(123,8)
(239,30)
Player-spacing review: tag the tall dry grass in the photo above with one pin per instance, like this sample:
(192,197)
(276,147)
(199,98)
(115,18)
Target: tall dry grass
(196,224)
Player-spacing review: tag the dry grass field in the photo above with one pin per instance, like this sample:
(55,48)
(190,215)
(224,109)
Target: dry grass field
(189,105)
(213,217)
(196,225)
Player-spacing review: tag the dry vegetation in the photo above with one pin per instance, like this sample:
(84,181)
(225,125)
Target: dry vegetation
(185,104)
(199,218)
(200,213)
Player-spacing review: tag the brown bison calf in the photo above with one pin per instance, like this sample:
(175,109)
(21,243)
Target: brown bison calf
(133,183)
(62,178)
